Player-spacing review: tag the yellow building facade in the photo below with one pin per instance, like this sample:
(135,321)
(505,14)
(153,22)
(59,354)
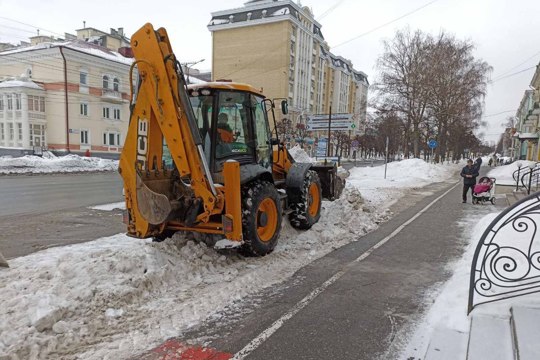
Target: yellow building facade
(278,46)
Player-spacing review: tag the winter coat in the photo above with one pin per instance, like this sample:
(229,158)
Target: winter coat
(473,170)
(477,164)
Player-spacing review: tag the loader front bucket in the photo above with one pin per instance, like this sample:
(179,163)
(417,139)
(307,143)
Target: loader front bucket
(332,185)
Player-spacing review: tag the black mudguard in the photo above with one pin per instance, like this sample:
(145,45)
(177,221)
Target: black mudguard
(295,180)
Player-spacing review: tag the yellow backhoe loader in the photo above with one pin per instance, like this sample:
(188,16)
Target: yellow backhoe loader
(202,158)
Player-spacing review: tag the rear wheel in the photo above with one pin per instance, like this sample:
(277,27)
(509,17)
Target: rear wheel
(261,218)
(492,201)
(306,210)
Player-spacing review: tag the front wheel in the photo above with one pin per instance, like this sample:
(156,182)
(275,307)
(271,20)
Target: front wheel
(306,208)
(261,218)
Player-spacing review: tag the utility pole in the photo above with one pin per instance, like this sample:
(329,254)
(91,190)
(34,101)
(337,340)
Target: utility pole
(329,129)
(386,158)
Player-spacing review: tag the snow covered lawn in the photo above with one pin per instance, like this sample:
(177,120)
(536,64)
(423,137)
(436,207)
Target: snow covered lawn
(400,175)
(53,164)
(117,297)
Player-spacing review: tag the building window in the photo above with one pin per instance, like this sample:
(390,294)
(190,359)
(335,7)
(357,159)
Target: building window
(116,114)
(37,135)
(1,103)
(36,103)
(106,113)
(18,102)
(84,137)
(84,109)
(2,133)
(83,78)
(105,82)
(9,102)
(19,131)
(116,84)
(111,138)
(11,131)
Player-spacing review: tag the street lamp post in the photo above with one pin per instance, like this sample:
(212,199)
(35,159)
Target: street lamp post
(189,65)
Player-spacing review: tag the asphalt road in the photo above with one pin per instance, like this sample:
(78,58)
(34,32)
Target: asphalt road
(366,313)
(40,194)
(42,211)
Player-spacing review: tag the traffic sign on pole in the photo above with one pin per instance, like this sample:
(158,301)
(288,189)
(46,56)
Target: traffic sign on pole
(433,143)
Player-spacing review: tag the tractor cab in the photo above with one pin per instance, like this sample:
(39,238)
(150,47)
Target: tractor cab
(233,124)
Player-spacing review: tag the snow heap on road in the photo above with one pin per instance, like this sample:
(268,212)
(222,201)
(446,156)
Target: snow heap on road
(52,164)
(110,207)
(503,174)
(300,155)
(117,297)
(400,175)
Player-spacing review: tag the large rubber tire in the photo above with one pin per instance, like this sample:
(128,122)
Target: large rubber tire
(306,211)
(261,218)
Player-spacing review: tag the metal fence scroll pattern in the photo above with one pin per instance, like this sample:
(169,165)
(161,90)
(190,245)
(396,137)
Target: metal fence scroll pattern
(506,262)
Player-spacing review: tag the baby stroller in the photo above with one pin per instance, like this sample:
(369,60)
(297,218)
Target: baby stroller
(484,191)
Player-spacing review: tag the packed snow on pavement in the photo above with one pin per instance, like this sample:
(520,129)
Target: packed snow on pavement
(116,297)
(50,163)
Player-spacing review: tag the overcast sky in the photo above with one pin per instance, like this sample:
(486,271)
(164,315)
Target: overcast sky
(505,33)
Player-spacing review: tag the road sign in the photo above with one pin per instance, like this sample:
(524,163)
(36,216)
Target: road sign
(433,144)
(340,122)
(321,148)
(353,126)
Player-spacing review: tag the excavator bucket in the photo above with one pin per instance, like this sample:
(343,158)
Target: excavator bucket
(3,261)
(332,185)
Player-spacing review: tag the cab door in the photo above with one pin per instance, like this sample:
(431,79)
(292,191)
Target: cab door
(262,132)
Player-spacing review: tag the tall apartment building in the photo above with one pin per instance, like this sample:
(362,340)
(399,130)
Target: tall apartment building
(278,46)
(69,95)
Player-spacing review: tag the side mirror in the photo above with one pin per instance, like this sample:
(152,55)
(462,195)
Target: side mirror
(284,107)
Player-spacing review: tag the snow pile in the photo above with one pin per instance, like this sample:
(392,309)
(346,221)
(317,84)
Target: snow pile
(52,164)
(110,207)
(299,155)
(117,296)
(402,175)
(504,173)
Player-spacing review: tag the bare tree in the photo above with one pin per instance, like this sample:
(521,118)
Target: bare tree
(435,87)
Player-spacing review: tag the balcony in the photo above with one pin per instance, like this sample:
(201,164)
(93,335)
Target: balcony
(111,95)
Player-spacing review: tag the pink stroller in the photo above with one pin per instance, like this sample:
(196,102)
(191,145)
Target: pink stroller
(484,191)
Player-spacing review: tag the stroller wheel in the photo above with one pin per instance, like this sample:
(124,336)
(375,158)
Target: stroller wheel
(492,201)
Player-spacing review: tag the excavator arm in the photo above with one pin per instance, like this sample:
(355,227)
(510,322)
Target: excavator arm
(162,117)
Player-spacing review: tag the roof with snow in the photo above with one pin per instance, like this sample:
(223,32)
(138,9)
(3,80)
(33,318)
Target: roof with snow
(76,45)
(273,9)
(20,83)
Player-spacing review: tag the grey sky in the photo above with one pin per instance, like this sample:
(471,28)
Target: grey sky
(505,32)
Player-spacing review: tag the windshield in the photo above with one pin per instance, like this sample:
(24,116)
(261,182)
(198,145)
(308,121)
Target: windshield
(233,126)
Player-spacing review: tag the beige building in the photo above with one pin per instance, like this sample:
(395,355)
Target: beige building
(69,96)
(278,46)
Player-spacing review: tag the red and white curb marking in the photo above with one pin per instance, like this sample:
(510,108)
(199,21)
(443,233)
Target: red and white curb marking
(174,350)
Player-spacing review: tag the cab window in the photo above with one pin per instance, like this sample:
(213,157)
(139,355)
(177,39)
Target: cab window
(232,125)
